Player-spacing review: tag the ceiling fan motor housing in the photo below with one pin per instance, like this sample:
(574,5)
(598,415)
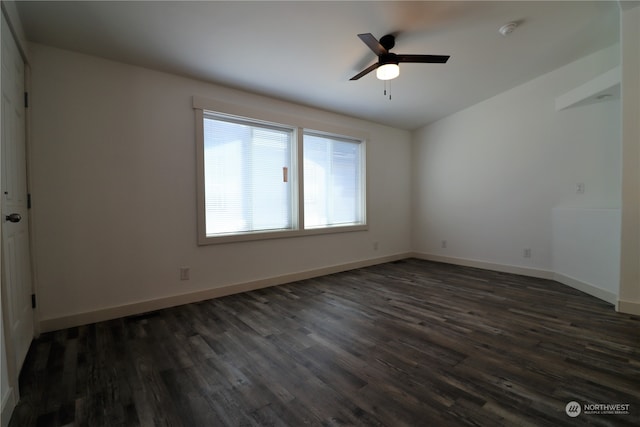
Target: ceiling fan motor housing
(388,41)
(388,58)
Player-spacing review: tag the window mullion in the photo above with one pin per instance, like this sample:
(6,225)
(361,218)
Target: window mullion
(329,185)
(247,176)
(299,192)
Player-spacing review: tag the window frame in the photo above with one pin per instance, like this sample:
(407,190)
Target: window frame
(299,125)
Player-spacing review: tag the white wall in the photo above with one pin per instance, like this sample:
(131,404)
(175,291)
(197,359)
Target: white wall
(114,199)
(487,178)
(586,250)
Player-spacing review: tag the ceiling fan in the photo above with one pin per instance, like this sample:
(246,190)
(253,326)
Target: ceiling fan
(387,66)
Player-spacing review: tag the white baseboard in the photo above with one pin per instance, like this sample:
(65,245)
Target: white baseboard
(109,313)
(628,307)
(503,268)
(534,272)
(8,405)
(587,288)
(85,318)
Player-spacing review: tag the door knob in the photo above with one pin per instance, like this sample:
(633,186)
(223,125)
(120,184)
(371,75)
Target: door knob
(14,217)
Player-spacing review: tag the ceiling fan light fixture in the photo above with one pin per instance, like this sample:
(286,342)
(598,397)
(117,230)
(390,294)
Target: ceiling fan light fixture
(387,71)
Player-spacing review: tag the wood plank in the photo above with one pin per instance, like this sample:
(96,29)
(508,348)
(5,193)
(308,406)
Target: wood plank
(400,344)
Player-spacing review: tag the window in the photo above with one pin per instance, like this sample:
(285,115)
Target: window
(246,176)
(332,181)
(259,178)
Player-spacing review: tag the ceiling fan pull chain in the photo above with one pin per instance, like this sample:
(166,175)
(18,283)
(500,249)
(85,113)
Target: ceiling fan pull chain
(387,82)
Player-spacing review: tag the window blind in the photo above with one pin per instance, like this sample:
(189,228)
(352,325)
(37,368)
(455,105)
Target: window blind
(246,176)
(333,190)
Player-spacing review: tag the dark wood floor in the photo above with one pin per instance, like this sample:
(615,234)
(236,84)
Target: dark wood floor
(410,343)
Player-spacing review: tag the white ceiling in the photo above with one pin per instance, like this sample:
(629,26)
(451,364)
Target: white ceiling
(307,51)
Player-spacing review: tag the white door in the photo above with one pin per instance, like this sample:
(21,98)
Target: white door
(16,266)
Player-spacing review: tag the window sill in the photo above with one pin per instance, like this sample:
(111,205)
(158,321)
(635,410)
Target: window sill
(266,235)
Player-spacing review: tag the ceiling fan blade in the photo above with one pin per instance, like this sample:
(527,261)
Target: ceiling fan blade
(431,59)
(365,71)
(373,43)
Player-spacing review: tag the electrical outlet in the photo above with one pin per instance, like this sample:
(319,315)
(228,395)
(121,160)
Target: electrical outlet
(527,253)
(185,273)
(375,246)
(443,245)
(580,188)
